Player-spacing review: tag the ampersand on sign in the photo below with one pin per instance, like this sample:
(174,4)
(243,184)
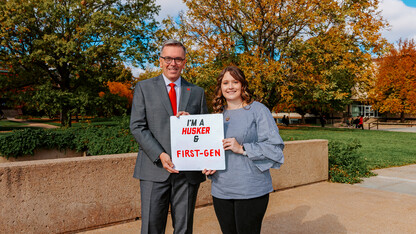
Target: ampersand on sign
(196,138)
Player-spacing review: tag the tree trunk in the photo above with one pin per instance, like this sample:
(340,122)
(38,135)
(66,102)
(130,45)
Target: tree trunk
(65,117)
(402,117)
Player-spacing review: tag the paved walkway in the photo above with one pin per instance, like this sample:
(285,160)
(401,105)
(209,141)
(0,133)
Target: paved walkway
(375,206)
(408,129)
(394,179)
(32,124)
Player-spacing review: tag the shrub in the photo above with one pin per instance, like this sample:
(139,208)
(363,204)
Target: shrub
(26,141)
(346,165)
(95,140)
(58,139)
(105,140)
(21,142)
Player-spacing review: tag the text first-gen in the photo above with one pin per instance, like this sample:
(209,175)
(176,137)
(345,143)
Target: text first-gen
(197,153)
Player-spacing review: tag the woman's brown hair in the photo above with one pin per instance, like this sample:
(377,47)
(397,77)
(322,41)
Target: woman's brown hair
(219,100)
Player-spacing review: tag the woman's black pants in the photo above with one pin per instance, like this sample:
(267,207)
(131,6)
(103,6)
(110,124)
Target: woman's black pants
(240,216)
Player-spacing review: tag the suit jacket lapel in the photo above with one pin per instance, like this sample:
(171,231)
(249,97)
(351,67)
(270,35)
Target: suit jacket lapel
(185,94)
(163,94)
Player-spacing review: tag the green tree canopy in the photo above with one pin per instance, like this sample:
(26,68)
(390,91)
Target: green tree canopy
(62,52)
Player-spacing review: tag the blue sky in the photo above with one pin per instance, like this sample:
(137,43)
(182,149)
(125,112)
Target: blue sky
(411,3)
(401,15)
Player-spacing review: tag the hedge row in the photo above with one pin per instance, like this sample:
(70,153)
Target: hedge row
(95,140)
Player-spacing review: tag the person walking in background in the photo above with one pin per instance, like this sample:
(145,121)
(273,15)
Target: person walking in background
(361,122)
(322,119)
(252,146)
(356,122)
(285,120)
(348,122)
(154,101)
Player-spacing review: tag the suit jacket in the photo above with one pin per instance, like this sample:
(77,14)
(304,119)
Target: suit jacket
(150,125)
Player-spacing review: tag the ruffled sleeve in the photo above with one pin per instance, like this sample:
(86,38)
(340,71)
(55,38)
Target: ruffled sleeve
(267,152)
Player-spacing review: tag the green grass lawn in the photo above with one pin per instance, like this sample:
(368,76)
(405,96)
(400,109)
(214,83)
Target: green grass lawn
(93,121)
(380,148)
(6,125)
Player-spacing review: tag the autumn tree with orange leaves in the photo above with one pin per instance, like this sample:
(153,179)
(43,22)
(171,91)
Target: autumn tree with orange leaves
(395,81)
(117,98)
(303,55)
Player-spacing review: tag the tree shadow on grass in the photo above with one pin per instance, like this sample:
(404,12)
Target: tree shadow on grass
(292,222)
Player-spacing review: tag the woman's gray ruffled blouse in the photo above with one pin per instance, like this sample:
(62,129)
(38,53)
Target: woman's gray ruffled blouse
(248,176)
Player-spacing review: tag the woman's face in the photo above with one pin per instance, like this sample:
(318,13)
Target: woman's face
(231,88)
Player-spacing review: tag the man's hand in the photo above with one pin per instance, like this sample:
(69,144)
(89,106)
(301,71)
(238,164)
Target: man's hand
(181,113)
(208,172)
(167,163)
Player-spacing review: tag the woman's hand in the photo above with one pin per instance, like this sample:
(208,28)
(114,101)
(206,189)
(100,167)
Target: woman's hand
(232,144)
(208,172)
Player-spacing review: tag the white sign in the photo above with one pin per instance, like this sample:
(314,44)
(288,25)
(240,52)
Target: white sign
(196,142)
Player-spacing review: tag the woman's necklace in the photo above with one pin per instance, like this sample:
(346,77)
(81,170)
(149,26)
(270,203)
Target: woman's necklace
(227,118)
(238,107)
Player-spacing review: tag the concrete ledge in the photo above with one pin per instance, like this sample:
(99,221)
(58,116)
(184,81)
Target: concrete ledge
(305,162)
(61,195)
(64,195)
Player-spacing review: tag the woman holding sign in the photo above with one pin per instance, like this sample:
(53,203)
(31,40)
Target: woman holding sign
(253,146)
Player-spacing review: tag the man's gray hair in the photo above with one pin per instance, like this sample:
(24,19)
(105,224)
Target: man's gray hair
(172,42)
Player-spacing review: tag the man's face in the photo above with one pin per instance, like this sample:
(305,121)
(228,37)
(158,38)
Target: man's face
(172,70)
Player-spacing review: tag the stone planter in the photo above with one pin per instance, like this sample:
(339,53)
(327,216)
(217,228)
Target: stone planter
(67,195)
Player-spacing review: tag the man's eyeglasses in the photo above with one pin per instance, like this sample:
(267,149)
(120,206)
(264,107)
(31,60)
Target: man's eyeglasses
(169,60)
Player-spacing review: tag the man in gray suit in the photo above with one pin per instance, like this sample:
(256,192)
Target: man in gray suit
(155,100)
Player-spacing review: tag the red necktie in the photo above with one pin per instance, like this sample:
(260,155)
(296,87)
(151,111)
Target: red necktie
(172,97)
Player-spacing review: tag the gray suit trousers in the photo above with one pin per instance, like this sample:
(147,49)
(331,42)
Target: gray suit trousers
(156,197)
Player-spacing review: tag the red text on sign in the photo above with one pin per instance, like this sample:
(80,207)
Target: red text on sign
(197,153)
(195,130)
